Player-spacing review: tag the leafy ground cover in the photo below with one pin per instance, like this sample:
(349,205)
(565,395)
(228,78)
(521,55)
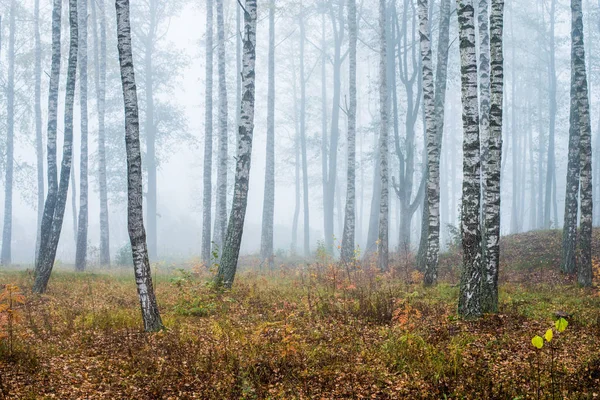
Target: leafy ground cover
(315,330)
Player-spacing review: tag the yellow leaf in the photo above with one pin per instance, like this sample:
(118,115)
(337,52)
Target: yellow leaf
(537,341)
(548,335)
(561,324)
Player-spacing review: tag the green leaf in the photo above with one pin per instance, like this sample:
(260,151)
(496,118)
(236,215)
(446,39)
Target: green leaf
(537,341)
(548,335)
(561,324)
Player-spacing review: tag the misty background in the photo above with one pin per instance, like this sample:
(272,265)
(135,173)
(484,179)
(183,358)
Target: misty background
(179,78)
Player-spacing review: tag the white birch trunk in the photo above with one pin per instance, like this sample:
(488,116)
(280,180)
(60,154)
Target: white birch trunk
(266,245)
(231,249)
(349,231)
(135,213)
(208,139)
(221,200)
(469,298)
(82,223)
(492,165)
(584,264)
(383,244)
(5,255)
(47,254)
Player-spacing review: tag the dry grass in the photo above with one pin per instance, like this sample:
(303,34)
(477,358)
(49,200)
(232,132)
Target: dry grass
(319,331)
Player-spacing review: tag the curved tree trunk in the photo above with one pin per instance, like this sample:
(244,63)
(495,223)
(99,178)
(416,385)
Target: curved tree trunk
(47,253)
(208,139)
(135,212)
(233,240)
(469,298)
(492,165)
(266,245)
(82,225)
(50,203)
(350,212)
(221,201)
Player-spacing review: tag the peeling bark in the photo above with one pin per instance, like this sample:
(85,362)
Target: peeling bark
(469,298)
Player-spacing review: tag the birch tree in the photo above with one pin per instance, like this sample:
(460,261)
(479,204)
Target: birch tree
(303,79)
(383,245)
(82,223)
(329,154)
(349,232)
(492,165)
(100,85)
(135,214)
(39,144)
(5,256)
(469,304)
(266,245)
(231,250)
(51,198)
(433,100)
(584,265)
(221,201)
(47,253)
(433,155)
(208,138)
(569,239)
(550,188)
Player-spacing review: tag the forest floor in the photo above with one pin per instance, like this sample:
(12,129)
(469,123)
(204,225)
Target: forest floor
(317,330)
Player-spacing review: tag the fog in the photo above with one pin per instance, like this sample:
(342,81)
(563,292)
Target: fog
(179,97)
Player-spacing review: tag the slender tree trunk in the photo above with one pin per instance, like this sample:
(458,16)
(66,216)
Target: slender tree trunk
(492,166)
(373,231)
(74,202)
(6,257)
(331,169)
(221,201)
(484,78)
(51,199)
(514,215)
(150,130)
(82,225)
(233,240)
(39,145)
(584,265)
(433,162)
(100,84)
(469,298)
(208,139)
(303,138)
(266,246)
(47,253)
(297,161)
(349,231)
(383,245)
(135,212)
(434,108)
(569,242)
